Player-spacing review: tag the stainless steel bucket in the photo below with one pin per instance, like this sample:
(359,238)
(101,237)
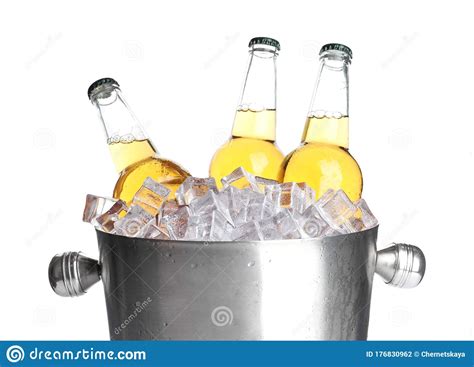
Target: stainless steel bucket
(294,289)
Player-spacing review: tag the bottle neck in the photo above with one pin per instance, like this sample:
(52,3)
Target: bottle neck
(256,113)
(328,117)
(124,132)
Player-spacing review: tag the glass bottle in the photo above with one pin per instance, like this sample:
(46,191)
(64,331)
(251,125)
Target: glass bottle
(252,144)
(133,154)
(323,160)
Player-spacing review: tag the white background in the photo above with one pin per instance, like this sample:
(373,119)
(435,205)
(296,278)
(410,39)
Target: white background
(180,65)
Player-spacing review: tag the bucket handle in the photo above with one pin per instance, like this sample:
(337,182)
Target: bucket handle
(71,274)
(401,265)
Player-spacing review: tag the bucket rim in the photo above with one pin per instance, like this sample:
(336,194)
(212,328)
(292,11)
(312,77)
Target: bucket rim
(342,237)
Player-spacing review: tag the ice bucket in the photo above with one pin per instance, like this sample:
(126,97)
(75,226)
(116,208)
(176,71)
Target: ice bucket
(310,289)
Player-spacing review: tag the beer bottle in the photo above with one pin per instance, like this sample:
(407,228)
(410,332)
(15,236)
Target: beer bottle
(323,160)
(252,144)
(133,154)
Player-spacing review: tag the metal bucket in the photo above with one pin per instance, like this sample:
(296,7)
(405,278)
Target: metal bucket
(314,289)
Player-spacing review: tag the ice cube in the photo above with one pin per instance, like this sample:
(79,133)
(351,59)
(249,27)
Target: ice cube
(199,227)
(247,232)
(241,179)
(269,208)
(263,182)
(193,188)
(132,224)
(286,225)
(339,211)
(309,194)
(107,220)
(236,201)
(151,196)
(331,232)
(169,207)
(95,206)
(176,223)
(256,204)
(230,197)
(269,229)
(310,223)
(273,192)
(152,231)
(368,219)
(220,228)
(208,203)
(288,195)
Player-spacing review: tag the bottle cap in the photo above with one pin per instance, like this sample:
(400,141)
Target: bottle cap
(265,41)
(336,47)
(99,83)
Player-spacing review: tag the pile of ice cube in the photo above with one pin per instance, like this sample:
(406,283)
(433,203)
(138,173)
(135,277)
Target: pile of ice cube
(247,208)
